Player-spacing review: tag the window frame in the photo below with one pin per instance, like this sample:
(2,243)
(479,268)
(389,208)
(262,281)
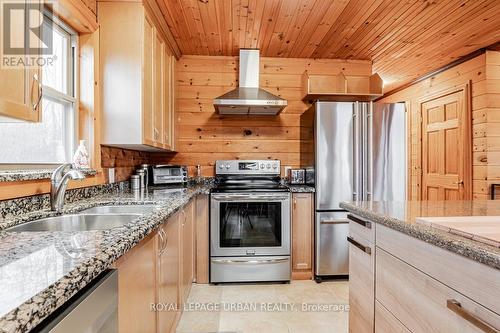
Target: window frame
(69,97)
(71,128)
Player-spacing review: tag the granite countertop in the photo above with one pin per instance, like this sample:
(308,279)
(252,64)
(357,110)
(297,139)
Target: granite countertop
(34,174)
(301,188)
(401,216)
(40,271)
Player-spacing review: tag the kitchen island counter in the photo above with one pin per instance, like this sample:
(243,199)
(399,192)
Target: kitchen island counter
(401,216)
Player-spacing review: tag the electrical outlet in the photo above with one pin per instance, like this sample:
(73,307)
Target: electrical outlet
(111,175)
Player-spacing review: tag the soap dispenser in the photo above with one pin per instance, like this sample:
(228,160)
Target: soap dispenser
(81,157)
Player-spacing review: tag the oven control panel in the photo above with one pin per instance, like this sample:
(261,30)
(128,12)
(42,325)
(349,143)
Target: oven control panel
(250,167)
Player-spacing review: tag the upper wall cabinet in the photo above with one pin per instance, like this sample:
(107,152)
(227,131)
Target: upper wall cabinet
(20,85)
(341,87)
(137,73)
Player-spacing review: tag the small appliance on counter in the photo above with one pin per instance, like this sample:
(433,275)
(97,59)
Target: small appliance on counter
(167,174)
(310,176)
(297,176)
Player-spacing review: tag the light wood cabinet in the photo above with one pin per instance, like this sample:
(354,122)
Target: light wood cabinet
(302,235)
(341,87)
(407,285)
(147,81)
(20,87)
(361,284)
(159,270)
(137,79)
(137,289)
(473,279)
(385,322)
(362,227)
(168,240)
(202,238)
(422,303)
(187,252)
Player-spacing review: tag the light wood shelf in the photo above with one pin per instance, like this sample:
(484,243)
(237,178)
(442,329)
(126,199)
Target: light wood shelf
(341,87)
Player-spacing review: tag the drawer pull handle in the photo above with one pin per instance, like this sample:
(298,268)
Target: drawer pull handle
(249,262)
(456,307)
(333,221)
(366,224)
(163,242)
(360,246)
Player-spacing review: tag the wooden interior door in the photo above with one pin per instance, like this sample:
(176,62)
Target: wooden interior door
(446,147)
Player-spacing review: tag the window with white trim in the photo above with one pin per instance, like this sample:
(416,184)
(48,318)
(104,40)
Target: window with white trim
(53,139)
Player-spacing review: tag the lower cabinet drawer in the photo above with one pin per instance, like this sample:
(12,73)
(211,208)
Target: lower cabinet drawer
(361,226)
(477,281)
(423,304)
(361,284)
(385,322)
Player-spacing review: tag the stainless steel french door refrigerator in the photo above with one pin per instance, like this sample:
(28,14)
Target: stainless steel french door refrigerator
(360,154)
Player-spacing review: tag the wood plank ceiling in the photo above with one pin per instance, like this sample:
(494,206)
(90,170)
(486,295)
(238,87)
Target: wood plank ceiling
(405,39)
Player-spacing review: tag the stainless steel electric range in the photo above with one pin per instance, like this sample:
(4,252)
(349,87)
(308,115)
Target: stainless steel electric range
(249,223)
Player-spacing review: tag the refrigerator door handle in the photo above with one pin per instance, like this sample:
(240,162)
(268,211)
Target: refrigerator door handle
(369,149)
(364,151)
(356,174)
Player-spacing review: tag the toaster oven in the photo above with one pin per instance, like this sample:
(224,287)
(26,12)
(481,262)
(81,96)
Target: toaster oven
(167,174)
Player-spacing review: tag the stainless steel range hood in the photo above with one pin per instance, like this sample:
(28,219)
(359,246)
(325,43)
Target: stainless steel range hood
(248,98)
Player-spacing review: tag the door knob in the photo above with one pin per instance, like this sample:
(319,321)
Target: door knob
(460,183)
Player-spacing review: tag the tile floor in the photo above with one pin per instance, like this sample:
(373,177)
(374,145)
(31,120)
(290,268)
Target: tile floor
(276,308)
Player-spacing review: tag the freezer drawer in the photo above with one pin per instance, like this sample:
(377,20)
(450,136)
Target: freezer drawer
(332,250)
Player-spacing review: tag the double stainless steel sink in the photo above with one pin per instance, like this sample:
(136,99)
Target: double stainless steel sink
(96,218)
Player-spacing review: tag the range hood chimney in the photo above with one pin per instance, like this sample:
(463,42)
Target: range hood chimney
(248,98)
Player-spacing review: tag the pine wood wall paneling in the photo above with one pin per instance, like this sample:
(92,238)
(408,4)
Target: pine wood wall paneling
(91,4)
(481,72)
(404,39)
(81,15)
(490,127)
(205,136)
(124,161)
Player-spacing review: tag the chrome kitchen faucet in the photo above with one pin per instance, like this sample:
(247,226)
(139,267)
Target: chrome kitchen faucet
(59,183)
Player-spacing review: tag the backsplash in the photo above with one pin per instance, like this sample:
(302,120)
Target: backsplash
(124,161)
(14,207)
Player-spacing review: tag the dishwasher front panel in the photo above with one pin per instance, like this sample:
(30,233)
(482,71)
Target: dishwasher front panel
(94,310)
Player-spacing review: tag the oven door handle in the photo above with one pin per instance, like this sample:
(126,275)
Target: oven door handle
(248,197)
(249,262)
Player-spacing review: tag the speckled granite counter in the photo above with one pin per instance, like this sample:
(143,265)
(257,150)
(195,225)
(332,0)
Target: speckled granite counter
(301,188)
(32,174)
(40,271)
(401,216)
